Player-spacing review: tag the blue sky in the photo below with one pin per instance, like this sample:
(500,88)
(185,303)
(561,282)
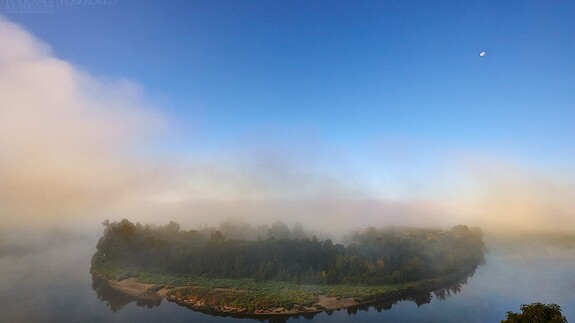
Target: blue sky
(349,71)
(382,92)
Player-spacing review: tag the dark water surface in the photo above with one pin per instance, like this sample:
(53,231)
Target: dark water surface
(54,285)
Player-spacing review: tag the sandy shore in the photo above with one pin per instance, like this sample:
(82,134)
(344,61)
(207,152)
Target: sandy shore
(134,288)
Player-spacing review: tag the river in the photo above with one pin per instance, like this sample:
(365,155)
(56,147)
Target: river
(53,284)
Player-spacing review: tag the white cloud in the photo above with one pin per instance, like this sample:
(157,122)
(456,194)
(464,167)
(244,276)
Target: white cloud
(71,148)
(65,135)
(70,143)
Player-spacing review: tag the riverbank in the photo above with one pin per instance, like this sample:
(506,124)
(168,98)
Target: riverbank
(200,299)
(247,297)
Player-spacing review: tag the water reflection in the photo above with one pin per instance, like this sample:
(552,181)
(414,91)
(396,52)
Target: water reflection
(55,286)
(420,298)
(115,299)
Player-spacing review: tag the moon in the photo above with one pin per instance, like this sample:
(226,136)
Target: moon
(482,54)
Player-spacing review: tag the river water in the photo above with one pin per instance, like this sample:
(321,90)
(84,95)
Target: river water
(54,285)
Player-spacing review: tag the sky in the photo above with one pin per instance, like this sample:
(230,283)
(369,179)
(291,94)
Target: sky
(340,112)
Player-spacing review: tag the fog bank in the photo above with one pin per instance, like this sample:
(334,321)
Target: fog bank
(76,149)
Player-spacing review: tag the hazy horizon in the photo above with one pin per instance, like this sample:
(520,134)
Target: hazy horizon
(265,114)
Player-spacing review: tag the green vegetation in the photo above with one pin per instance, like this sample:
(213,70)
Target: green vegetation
(286,273)
(536,313)
(252,295)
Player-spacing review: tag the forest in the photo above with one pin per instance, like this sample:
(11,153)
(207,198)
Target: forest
(373,256)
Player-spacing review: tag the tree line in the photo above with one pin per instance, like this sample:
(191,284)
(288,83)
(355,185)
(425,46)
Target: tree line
(374,256)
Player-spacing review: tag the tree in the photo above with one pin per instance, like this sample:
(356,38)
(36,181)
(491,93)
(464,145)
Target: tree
(297,232)
(279,230)
(378,256)
(535,313)
(217,236)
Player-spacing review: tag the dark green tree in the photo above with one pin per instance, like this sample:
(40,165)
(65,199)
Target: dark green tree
(536,313)
(376,256)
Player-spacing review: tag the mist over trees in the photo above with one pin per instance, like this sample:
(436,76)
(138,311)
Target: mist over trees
(280,253)
(237,230)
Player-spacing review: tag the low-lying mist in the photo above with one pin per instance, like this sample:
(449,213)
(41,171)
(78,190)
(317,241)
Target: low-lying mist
(84,148)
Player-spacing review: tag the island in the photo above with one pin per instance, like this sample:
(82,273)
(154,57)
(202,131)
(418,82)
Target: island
(283,272)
